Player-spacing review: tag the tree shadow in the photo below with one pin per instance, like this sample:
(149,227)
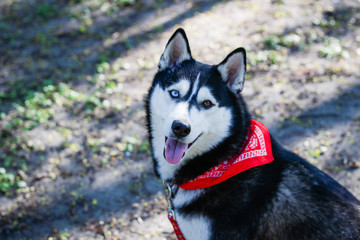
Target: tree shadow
(337,22)
(65,47)
(53,49)
(325,116)
(56,49)
(85,204)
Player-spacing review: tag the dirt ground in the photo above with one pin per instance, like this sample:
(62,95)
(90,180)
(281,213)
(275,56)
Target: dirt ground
(74,155)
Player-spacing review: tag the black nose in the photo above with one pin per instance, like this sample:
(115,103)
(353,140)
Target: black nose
(180,129)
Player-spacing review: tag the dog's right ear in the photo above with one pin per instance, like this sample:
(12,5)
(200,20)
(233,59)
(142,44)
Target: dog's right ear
(176,51)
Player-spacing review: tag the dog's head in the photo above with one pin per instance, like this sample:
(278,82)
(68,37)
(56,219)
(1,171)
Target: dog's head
(192,107)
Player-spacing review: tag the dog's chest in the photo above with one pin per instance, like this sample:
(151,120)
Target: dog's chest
(193,226)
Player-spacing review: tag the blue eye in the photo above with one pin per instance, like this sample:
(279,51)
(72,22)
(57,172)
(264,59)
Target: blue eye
(174,93)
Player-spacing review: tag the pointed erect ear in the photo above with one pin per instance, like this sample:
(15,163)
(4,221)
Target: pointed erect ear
(176,51)
(233,69)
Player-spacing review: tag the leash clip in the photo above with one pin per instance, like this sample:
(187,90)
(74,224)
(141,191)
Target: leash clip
(167,185)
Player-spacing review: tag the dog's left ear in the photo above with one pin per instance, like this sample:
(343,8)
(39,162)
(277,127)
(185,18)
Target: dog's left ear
(176,51)
(232,70)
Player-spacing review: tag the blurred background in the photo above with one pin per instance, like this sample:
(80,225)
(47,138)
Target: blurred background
(74,157)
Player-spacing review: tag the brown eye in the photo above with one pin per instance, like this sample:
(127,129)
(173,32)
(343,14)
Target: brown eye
(207,104)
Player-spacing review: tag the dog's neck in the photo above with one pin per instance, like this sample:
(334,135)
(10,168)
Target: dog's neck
(225,150)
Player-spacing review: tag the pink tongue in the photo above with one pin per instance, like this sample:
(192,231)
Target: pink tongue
(174,150)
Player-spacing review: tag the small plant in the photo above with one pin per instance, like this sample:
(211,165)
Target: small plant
(333,49)
(267,56)
(291,40)
(145,147)
(103,67)
(8,180)
(272,42)
(124,2)
(47,11)
(93,101)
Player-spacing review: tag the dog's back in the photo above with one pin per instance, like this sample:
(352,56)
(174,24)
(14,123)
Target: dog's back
(307,204)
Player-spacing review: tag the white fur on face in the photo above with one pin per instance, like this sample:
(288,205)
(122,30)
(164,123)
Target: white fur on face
(181,110)
(182,86)
(212,124)
(159,110)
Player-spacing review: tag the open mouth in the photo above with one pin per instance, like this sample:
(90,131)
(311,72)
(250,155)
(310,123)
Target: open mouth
(175,150)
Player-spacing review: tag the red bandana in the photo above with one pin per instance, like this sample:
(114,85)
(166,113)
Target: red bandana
(257,152)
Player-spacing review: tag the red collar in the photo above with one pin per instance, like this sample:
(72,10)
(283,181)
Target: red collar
(256,152)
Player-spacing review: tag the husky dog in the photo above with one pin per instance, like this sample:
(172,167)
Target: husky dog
(226,176)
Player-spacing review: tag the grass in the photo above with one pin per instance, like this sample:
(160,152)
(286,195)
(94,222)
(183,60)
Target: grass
(47,11)
(333,49)
(292,40)
(34,107)
(30,109)
(25,108)
(9,180)
(269,57)
(37,107)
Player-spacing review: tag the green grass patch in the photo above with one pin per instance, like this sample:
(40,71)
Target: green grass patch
(39,106)
(32,108)
(9,180)
(333,49)
(291,40)
(47,11)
